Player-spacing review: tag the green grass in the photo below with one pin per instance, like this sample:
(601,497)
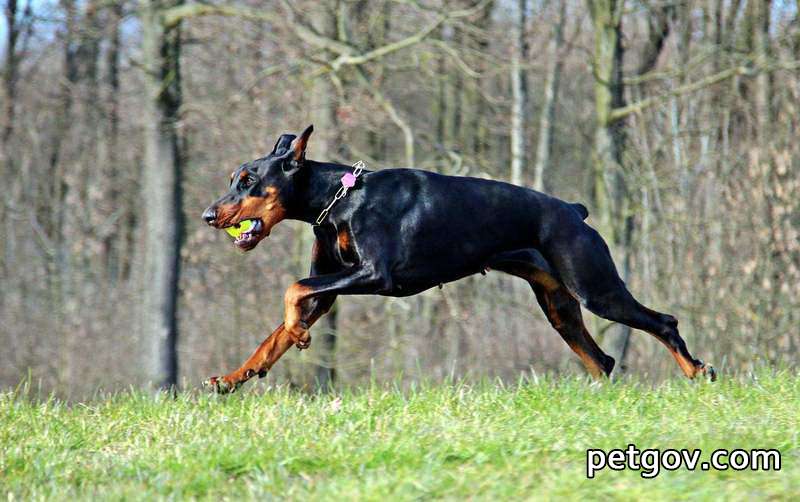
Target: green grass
(435,441)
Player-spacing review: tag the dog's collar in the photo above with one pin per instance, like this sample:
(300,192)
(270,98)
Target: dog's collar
(348,182)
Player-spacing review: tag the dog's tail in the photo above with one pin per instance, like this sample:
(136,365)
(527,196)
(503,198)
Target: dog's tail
(581,210)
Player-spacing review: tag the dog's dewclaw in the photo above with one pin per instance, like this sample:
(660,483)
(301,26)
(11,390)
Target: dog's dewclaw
(236,230)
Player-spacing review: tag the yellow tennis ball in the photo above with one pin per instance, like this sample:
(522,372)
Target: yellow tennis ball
(243,226)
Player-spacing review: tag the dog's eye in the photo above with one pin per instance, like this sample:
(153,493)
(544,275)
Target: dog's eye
(249,181)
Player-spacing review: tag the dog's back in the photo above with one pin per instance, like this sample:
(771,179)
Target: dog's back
(456,223)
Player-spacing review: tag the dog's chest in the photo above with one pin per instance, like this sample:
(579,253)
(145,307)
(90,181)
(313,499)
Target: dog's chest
(339,244)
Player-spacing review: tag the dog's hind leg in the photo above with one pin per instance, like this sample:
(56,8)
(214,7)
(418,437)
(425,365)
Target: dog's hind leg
(561,309)
(564,314)
(583,262)
(620,306)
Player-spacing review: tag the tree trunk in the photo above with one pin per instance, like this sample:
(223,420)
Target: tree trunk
(610,192)
(111,246)
(519,94)
(762,51)
(10,78)
(766,132)
(476,131)
(456,97)
(161,197)
(10,92)
(547,119)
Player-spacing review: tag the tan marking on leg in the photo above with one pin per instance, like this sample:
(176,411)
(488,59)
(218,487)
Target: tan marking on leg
(578,342)
(592,366)
(573,331)
(293,299)
(688,367)
(265,356)
(544,279)
(259,362)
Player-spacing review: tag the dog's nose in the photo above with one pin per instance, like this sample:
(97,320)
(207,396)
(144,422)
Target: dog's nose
(209,215)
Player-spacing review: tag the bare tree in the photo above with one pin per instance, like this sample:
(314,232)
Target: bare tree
(519,94)
(610,189)
(161,195)
(552,82)
(14,28)
(17,25)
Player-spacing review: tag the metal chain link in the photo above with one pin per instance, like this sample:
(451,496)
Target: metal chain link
(358,167)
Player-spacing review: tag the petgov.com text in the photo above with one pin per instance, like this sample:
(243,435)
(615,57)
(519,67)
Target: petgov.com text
(652,461)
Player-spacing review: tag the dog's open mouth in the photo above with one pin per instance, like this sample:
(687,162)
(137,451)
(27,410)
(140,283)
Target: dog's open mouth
(246,233)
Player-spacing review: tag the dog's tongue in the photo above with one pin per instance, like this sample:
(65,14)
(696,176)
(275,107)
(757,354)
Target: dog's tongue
(240,228)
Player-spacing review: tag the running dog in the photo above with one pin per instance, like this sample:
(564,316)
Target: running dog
(397,232)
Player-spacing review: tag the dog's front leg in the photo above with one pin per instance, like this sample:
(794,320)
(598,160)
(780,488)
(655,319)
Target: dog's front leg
(271,349)
(258,363)
(357,280)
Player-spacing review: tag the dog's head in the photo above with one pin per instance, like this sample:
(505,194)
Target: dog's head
(259,192)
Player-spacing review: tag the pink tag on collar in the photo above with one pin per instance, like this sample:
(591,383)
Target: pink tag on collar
(349,180)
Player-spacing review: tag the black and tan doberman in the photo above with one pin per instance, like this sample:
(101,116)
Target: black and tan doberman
(397,232)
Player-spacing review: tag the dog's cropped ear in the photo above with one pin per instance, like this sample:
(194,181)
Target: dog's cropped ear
(299,144)
(283,144)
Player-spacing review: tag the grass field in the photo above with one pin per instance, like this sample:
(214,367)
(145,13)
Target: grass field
(434,441)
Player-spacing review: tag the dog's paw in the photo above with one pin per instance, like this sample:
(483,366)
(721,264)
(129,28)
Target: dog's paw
(707,371)
(304,342)
(300,335)
(219,385)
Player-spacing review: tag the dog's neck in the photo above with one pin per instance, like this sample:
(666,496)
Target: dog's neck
(315,188)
